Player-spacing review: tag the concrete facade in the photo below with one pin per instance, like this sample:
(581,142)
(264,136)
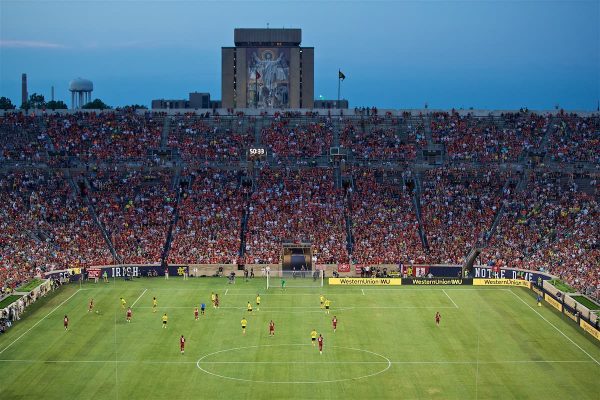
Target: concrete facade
(196,101)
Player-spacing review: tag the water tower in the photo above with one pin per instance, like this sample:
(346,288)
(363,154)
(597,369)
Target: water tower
(81,92)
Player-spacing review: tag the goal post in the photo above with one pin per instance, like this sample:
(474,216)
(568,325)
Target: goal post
(294,279)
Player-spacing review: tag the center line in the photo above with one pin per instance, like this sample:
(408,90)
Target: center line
(227,290)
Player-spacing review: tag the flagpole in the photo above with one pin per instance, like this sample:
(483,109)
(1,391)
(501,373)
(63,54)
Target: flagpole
(339,81)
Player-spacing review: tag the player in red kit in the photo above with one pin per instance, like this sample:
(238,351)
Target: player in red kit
(216,300)
(129,313)
(438,317)
(196,313)
(66,322)
(91,306)
(334,322)
(271,328)
(320,340)
(181,344)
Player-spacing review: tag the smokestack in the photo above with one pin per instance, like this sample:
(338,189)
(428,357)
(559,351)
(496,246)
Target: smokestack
(52,93)
(24,95)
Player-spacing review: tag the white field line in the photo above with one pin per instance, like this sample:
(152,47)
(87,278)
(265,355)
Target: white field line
(363,291)
(43,318)
(477,358)
(319,308)
(302,362)
(554,326)
(227,290)
(139,297)
(243,292)
(404,289)
(449,298)
(116,359)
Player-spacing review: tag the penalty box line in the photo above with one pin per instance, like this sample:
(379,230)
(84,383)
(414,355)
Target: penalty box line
(555,327)
(37,323)
(139,297)
(449,298)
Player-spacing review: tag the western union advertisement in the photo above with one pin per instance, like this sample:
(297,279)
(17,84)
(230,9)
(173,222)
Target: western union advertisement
(366,281)
(553,303)
(501,282)
(589,329)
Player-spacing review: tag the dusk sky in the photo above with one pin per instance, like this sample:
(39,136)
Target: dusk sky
(395,54)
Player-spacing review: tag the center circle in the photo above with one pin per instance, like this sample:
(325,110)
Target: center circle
(380,360)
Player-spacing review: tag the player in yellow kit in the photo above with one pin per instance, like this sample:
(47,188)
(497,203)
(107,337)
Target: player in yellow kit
(258,302)
(249,308)
(244,324)
(165,319)
(123,303)
(313,336)
(154,304)
(322,299)
(327,305)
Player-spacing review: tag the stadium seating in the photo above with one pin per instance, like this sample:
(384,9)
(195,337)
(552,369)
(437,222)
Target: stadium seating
(76,190)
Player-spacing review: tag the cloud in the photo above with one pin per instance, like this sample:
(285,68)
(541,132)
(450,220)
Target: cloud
(30,44)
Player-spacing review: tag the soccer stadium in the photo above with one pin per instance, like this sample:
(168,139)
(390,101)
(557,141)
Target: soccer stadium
(274,244)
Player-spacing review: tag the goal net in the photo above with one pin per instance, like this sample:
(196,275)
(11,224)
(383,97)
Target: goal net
(294,279)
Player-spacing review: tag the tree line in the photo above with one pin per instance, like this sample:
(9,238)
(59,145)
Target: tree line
(38,102)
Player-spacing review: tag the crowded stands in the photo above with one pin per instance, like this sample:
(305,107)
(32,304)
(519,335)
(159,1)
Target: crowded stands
(296,205)
(210,210)
(195,139)
(55,215)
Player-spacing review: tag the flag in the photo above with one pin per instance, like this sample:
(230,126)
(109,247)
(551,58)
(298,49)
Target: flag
(341,75)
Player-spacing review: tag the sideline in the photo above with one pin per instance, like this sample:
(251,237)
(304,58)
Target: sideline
(554,326)
(37,323)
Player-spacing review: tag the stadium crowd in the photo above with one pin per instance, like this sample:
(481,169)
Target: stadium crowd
(296,205)
(576,139)
(45,225)
(21,139)
(135,208)
(104,136)
(384,224)
(288,139)
(378,142)
(551,226)
(194,138)
(486,139)
(210,214)
(48,213)
(459,206)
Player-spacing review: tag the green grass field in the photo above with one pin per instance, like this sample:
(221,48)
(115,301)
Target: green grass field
(9,300)
(29,286)
(493,342)
(589,304)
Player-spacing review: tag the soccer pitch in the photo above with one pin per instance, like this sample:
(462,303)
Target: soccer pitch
(493,342)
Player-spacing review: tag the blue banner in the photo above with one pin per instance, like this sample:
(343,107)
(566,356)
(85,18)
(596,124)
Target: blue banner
(510,273)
